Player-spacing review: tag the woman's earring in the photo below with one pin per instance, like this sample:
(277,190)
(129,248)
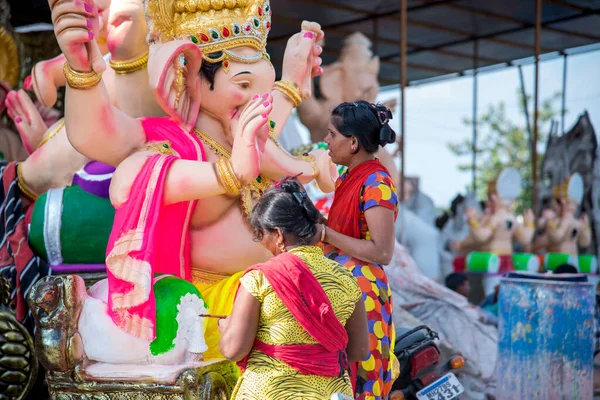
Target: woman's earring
(282,247)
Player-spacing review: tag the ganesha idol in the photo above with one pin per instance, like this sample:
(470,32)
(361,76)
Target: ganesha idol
(562,233)
(489,247)
(182,188)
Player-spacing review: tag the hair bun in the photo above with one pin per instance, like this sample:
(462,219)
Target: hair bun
(290,186)
(386,135)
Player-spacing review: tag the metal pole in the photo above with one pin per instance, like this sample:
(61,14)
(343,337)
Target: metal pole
(403,80)
(538,28)
(526,109)
(564,96)
(475,66)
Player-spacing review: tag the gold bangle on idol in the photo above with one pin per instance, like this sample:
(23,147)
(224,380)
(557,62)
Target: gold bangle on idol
(51,134)
(129,66)
(81,80)
(227,177)
(23,186)
(234,179)
(290,90)
(310,159)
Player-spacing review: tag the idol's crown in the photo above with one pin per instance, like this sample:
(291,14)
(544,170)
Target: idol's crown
(216,26)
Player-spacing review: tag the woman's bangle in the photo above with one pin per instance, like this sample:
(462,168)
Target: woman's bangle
(129,66)
(323,233)
(290,90)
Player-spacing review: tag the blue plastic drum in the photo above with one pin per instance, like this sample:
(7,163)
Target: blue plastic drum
(546,337)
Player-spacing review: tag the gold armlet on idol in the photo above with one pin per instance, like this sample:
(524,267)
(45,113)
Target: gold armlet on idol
(129,66)
(158,147)
(290,90)
(313,163)
(23,186)
(227,177)
(473,223)
(51,134)
(81,80)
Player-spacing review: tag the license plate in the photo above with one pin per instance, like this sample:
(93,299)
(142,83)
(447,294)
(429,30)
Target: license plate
(445,388)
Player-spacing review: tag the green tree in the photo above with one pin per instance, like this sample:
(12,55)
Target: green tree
(503,143)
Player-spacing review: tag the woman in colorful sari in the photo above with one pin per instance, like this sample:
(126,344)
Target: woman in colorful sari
(299,319)
(360,231)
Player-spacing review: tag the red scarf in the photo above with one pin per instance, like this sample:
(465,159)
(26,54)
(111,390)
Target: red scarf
(344,215)
(308,303)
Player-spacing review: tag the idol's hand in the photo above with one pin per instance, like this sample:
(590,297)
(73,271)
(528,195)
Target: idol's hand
(328,172)
(585,220)
(548,214)
(250,133)
(27,119)
(76,26)
(42,80)
(127,29)
(301,61)
(471,212)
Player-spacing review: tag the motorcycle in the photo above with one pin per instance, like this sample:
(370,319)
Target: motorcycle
(422,375)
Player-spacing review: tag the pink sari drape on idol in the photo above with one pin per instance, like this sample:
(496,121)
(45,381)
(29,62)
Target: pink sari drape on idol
(149,237)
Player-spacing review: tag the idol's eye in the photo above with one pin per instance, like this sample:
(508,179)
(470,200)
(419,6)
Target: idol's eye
(244,85)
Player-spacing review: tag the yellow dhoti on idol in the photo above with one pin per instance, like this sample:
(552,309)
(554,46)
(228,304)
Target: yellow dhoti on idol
(218,291)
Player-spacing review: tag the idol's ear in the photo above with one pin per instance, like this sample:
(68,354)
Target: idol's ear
(174,76)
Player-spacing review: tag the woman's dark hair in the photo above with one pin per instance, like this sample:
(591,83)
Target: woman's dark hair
(288,208)
(208,70)
(455,280)
(566,269)
(368,122)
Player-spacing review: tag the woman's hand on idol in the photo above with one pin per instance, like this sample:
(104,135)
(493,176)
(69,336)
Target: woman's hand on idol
(76,26)
(250,133)
(27,119)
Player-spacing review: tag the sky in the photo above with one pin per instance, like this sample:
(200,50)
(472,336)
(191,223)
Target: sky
(434,114)
(435,111)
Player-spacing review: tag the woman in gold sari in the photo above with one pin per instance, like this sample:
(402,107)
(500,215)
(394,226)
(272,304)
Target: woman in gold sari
(299,319)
